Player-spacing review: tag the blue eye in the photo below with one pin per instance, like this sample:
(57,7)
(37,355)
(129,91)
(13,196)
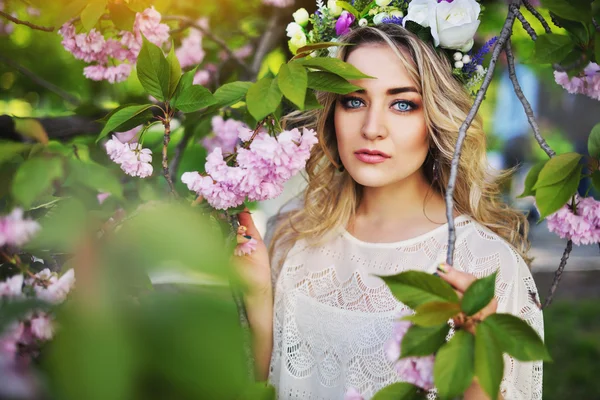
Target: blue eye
(352,102)
(404,106)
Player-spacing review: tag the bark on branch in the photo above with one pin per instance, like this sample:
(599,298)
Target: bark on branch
(26,23)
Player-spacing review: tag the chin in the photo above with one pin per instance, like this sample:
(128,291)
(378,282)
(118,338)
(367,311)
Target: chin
(371,178)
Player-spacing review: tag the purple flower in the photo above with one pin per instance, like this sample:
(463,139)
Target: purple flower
(477,59)
(393,20)
(342,26)
(582,227)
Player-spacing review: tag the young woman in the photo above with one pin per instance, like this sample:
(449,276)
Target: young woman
(374,206)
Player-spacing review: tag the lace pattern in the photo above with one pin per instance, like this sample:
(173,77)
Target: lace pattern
(333,314)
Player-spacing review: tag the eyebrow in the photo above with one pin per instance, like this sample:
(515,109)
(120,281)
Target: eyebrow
(393,91)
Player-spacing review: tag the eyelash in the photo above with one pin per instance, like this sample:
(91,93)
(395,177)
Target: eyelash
(345,100)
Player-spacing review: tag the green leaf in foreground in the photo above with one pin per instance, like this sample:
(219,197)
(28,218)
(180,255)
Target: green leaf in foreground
(422,341)
(479,294)
(594,138)
(153,71)
(551,48)
(433,313)
(174,71)
(328,82)
(399,391)
(263,98)
(531,179)
(18,309)
(96,177)
(558,168)
(516,337)
(335,66)
(292,83)
(580,11)
(231,93)
(454,365)
(489,363)
(9,149)
(414,288)
(193,99)
(34,177)
(126,118)
(551,198)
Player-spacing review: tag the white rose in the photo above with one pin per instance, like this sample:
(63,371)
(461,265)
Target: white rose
(301,16)
(298,40)
(453,25)
(378,19)
(383,3)
(419,11)
(293,28)
(468,46)
(333,8)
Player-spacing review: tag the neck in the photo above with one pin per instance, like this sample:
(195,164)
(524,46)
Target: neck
(401,201)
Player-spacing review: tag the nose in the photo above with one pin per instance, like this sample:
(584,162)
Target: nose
(374,126)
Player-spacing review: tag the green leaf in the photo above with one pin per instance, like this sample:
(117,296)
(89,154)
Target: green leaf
(71,10)
(399,391)
(9,149)
(517,338)
(551,48)
(597,46)
(292,83)
(551,198)
(193,99)
(126,118)
(433,313)
(422,341)
(335,66)
(153,71)
(424,33)
(414,288)
(348,7)
(121,16)
(92,13)
(34,177)
(95,176)
(596,180)
(580,12)
(454,365)
(259,391)
(532,177)
(328,82)
(306,50)
(489,363)
(479,294)
(263,98)
(174,71)
(138,5)
(231,93)
(310,101)
(557,169)
(594,142)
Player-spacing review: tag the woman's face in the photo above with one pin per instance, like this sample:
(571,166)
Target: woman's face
(381,132)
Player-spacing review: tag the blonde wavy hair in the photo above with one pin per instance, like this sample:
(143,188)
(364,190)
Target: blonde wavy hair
(332,196)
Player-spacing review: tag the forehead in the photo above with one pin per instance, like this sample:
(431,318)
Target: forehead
(382,63)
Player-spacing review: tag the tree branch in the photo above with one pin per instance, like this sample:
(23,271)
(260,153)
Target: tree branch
(526,24)
(220,42)
(462,133)
(558,274)
(536,14)
(165,159)
(512,73)
(29,24)
(176,159)
(40,81)
(269,37)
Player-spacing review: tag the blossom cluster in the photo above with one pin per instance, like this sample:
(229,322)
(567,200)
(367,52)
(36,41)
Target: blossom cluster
(133,159)
(15,230)
(415,370)
(587,83)
(190,52)
(582,227)
(225,134)
(113,58)
(259,171)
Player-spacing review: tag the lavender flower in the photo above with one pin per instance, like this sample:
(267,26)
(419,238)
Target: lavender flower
(477,59)
(393,20)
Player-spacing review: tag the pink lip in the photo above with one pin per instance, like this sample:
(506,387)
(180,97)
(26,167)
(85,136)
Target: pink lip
(371,156)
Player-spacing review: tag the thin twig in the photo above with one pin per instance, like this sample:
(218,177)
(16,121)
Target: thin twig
(526,25)
(462,133)
(176,159)
(40,81)
(558,273)
(266,42)
(512,73)
(596,24)
(220,42)
(165,159)
(26,23)
(536,14)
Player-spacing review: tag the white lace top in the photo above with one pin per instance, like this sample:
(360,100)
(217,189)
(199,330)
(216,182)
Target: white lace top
(332,316)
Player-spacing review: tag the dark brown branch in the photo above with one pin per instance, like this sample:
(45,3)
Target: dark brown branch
(29,24)
(40,81)
(539,16)
(526,25)
(176,159)
(165,158)
(267,41)
(462,133)
(220,42)
(558,273)
(526,106)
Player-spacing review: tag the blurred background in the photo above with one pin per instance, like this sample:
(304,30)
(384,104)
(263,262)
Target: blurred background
(42,81)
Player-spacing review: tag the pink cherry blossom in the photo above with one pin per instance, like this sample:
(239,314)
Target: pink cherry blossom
(148,23)
(245,248)
(133,159)
(42,327)
(587,83)
(102,196)
(11,336)
(582,227)
(225,134)
(16,231)
(353,394)
(12,287)
(128,136)
(57,288)
(190,52)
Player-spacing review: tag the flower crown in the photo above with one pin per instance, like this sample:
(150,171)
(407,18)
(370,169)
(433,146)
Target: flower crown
(449,25)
